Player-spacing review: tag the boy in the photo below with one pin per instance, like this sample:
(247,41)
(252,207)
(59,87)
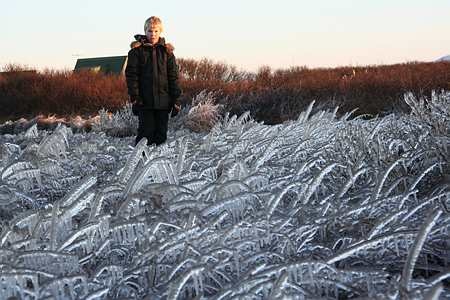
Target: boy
(152,81)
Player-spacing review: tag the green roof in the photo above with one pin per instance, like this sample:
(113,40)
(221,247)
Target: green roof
(111,64)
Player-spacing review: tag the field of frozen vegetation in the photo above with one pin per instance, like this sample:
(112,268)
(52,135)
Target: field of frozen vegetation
(321,207)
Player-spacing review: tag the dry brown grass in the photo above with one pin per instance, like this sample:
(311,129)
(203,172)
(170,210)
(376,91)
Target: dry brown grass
(26,94)
(277,95)
(271,95)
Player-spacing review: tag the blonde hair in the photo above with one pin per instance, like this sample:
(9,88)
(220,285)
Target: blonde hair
(153,21)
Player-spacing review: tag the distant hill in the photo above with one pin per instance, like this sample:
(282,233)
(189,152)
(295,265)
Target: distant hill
(444,58)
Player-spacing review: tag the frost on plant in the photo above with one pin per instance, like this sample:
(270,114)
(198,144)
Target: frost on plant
(204,112)
(318,207)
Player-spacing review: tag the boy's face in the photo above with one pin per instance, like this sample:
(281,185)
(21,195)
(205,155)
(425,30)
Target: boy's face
(153,33)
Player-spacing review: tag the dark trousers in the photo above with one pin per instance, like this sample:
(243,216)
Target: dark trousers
(153,126)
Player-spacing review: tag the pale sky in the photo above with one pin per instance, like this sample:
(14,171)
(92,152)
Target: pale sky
(245,33)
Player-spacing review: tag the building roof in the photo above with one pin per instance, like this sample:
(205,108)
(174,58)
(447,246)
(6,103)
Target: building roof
(108,65)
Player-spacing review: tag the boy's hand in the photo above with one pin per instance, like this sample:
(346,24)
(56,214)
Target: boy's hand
(175,109)
(136,103)
(135,100)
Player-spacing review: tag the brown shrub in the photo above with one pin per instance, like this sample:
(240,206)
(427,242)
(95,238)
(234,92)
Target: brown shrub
(25,93)
(271,95)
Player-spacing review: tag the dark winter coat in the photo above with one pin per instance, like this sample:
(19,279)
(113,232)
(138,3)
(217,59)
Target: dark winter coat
(152,74)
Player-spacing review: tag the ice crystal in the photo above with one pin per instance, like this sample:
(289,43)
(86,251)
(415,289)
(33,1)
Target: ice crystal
(318,207)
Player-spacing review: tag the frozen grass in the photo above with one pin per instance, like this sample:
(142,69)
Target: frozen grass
(200,116)
(204,113)
(319,207)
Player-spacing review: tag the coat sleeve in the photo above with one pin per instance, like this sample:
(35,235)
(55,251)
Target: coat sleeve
(172,76)
(132,73)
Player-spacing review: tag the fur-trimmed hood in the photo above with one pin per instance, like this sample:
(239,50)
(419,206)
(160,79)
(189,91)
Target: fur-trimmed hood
(141,40)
